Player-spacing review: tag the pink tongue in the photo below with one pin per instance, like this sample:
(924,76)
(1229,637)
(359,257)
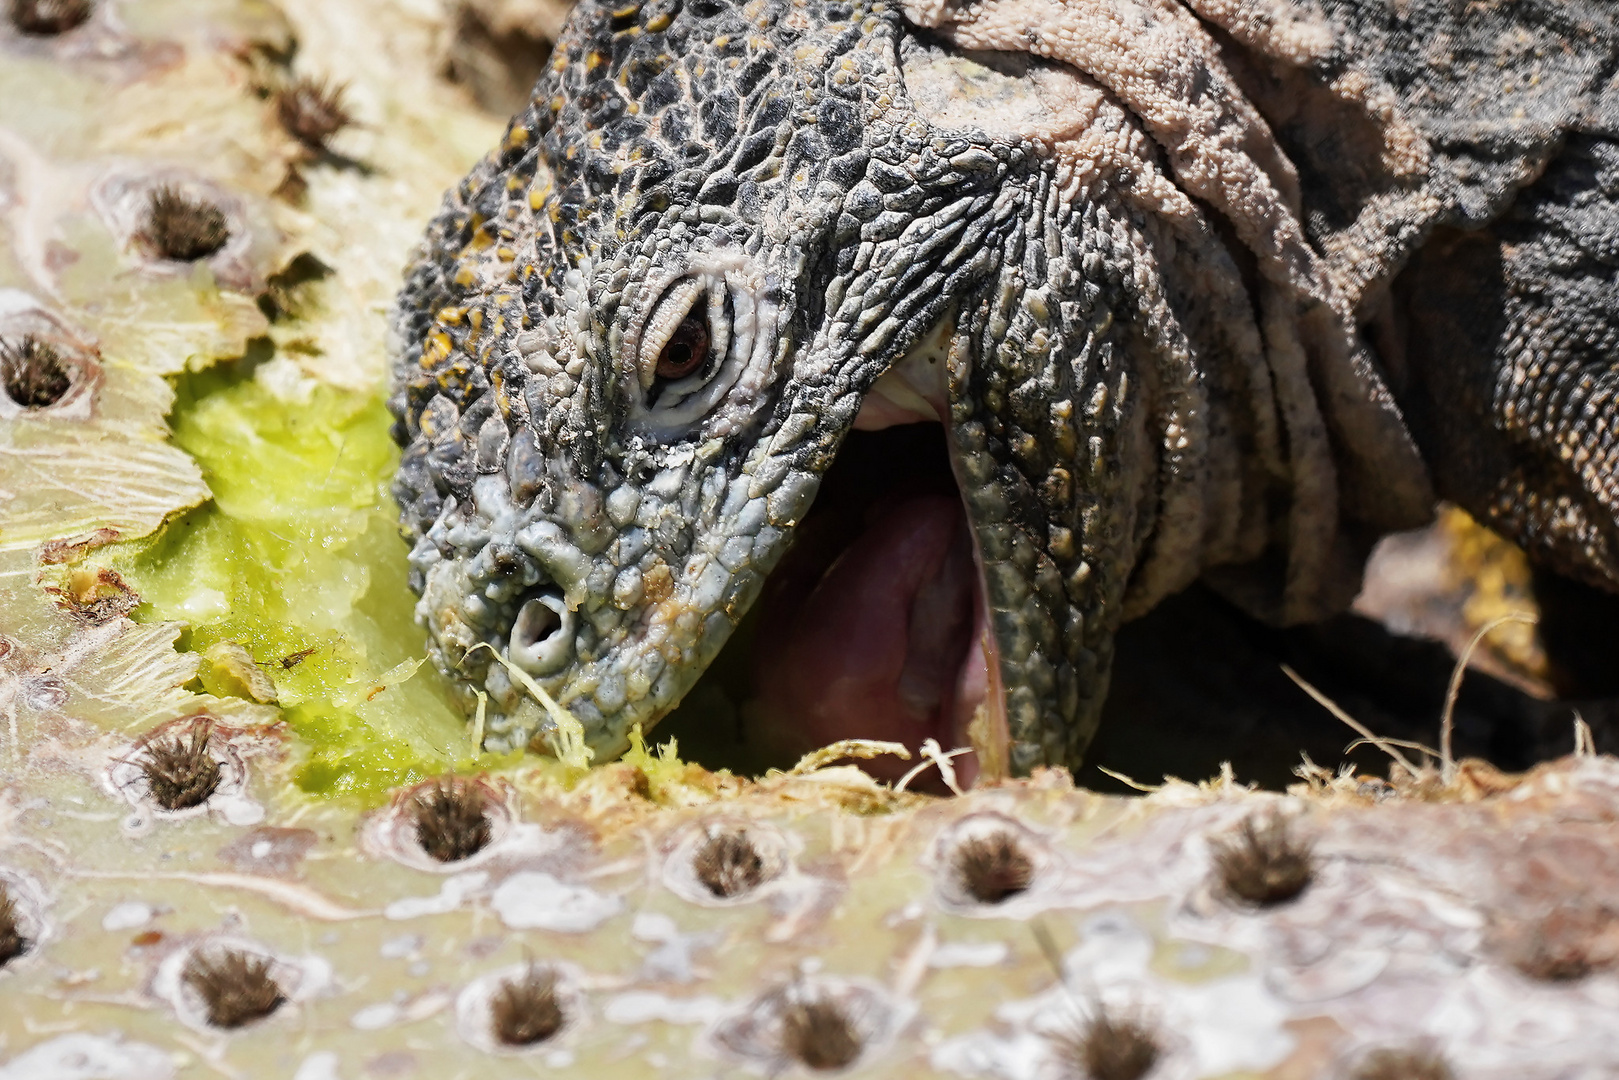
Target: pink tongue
(876,650)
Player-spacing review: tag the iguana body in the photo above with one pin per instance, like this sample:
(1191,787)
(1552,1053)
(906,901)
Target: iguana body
(1199,289)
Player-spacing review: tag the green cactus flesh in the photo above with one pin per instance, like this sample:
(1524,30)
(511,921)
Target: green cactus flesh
(297,559)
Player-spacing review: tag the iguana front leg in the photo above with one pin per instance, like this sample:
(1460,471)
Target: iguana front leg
(1507,335)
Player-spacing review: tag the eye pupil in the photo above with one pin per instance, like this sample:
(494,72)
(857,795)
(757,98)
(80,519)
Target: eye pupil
(687,349)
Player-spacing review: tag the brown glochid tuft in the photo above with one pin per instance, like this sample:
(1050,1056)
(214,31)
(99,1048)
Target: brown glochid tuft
(12,942)
(641,784)
(289,292)
(235,986)
(525,1010)
(728,864)
(992,868)
(1109,1046)
(180,772)
(311,110)
(33,373)
(96,598)
(1408,1063)
(47,18)
(181,228)
(1264,863)
(1569,942)
(452,819)
(818,1033)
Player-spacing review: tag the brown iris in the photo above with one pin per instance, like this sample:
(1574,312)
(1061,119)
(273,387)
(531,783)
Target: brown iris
(687,350)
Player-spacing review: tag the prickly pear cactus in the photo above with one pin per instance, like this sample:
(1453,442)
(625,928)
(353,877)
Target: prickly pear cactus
(243,831)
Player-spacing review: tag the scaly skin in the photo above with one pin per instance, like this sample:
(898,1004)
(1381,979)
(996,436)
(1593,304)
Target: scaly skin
(1155,244)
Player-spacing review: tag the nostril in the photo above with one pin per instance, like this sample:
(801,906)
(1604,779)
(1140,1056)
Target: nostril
(538,621)
(542,634)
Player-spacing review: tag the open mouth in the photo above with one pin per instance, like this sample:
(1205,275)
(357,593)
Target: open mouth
(874,625)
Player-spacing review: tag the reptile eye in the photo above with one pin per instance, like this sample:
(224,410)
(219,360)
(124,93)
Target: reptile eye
(687,350)
(694,343)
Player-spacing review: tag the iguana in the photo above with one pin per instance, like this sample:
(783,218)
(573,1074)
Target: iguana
(1179,289)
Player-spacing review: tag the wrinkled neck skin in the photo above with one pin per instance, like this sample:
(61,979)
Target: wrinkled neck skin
(873,228)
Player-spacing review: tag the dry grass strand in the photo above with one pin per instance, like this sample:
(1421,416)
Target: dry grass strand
(33,373)
(729,865)
(236,987)
(819,1034)
(1447,716)
(47,18)
(12,942)
(179,770)
(452,819)
(526,1010)
(181,228)
(992,868)
(1355,725)
(1264,863)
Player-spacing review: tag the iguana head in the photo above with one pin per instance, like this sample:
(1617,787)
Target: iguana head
(633,344)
